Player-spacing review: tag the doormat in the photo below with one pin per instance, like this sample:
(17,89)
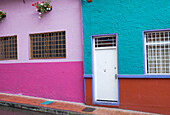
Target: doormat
(46,102)
(88,109)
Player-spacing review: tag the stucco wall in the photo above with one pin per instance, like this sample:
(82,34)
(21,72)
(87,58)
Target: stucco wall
(56,80)
(60,79)
(127,18)
(22,20)
(147,95)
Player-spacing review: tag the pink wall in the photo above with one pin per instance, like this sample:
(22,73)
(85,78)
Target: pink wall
(60,81)
(22,20)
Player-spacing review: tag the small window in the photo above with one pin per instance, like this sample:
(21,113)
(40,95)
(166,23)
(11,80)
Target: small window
(48,45)
(157,48)
(105,41)
(8,48)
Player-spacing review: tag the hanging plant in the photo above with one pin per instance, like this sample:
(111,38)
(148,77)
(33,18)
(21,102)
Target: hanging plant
(2,15)
(42,7)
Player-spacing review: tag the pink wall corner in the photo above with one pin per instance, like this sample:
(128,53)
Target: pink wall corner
(59,81)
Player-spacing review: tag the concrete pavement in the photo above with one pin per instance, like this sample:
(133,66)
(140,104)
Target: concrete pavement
(60,107)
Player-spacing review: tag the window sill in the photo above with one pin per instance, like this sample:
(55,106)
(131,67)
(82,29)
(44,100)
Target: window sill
(147,76)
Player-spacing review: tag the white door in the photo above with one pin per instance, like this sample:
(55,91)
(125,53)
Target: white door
(105,70)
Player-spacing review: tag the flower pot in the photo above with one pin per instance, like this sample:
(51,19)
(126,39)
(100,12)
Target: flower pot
(3,16)
(49,8)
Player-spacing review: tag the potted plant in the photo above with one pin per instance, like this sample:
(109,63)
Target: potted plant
(42,7)
(2,15)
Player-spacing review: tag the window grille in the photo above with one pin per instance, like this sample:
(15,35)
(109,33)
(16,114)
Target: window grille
(157,52)
(109,41)
(8,48)
(48,45)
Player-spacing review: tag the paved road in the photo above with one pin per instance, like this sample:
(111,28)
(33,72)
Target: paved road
(16,111)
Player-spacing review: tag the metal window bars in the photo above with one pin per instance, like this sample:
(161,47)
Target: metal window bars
(48,45)
(105,41)
(158,52)
(8,48)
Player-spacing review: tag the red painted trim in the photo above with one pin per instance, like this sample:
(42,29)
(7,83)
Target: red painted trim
(148,95)
(88,95)
(89,0)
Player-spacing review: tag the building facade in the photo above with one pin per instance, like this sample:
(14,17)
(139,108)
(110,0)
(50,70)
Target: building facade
(42,57)
(126,54)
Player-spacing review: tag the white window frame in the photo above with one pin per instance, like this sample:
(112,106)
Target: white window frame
(111,43)
(158,62)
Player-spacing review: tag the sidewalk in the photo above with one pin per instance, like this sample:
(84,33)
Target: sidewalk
(60,107)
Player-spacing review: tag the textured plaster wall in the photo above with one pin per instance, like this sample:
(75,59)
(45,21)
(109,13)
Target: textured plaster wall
(56,80)
(128,18)
(60,79)
(22,20)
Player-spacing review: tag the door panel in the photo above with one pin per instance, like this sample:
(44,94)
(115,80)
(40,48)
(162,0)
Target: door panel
(106,86)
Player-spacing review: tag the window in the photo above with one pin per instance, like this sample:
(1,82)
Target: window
(8,48)
(157,48)
(105,41)
(48,45)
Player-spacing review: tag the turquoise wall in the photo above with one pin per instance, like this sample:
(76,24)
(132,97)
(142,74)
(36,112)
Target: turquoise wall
(127,18)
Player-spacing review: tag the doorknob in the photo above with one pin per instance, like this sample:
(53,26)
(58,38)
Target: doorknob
(115,76)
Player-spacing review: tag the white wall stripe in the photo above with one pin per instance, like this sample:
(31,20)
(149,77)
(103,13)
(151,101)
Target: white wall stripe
(36,61)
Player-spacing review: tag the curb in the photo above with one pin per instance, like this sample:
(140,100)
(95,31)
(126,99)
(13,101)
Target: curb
(39,108)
